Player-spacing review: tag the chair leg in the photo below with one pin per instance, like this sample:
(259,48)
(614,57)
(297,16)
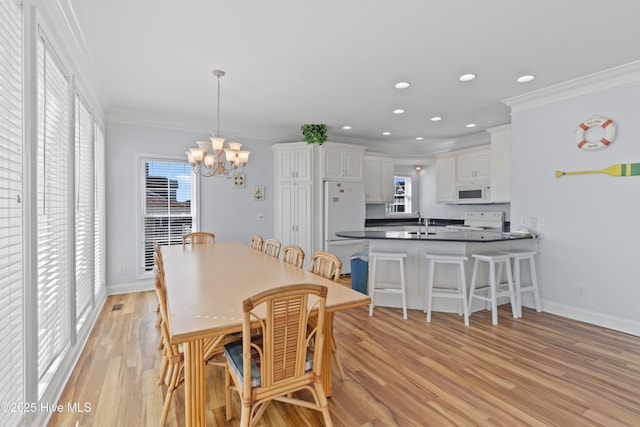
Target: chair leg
(245,416)
(324,405)
(227,394)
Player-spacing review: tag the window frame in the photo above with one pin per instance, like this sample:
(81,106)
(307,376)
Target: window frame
(389,211)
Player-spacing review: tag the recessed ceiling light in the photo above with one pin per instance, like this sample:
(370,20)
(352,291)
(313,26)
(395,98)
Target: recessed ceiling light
(419,138)
(398,111)
(470,125)
(386,133)
(435,118)
(525,79)
(402,85)
(467,77)
(347,127)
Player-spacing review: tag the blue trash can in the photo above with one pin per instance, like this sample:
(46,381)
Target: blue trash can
(359,271)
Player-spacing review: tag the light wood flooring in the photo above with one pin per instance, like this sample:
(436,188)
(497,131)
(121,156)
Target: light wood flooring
(538,370)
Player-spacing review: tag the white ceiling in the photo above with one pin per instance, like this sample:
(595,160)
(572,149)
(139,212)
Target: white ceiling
(290,62)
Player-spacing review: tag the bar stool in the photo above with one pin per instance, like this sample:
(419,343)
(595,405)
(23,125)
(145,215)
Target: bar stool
(440,292)
(494,288)
(386,287)
(521,255)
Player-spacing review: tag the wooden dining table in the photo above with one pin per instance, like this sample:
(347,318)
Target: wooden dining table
(206,285)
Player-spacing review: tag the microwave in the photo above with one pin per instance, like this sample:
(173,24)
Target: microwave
(473,193)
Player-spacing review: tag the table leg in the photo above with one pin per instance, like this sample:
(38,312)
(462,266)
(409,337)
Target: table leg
(327,353)
(194,399)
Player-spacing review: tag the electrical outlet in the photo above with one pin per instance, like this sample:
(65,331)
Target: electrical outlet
(533,222)
(582,290)
(260,217)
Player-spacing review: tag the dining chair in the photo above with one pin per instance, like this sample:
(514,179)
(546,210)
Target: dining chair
(198,237)
(278,362)
(272,248)
(327,265)
(256,242)
(294,255)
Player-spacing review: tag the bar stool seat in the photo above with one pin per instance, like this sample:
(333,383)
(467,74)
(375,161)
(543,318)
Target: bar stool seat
(494,288)
(459,293)
(376,286)
(518,255)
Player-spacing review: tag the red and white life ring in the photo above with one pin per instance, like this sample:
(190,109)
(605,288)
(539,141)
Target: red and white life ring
(606,123)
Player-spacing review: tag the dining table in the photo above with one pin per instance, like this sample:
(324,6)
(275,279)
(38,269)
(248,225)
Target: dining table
(206,285)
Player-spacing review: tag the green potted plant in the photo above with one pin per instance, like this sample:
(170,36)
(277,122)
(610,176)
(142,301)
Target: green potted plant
(314,133)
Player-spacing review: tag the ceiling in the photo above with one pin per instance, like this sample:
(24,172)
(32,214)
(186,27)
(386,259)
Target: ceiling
(290,62)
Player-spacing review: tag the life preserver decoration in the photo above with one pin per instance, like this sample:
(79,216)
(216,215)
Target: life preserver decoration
(606,123)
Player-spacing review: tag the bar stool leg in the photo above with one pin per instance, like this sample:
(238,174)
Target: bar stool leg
(404,291)
(463,290)
(493,290)
(474,277)
(514,306)
(534,284)
(518,284)
(432,266)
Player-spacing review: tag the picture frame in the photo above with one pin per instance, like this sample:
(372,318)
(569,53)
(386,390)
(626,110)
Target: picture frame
(258,192)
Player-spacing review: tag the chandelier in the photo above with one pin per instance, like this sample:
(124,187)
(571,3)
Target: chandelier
(213,158)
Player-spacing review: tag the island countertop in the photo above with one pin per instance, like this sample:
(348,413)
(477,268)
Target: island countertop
(448,236)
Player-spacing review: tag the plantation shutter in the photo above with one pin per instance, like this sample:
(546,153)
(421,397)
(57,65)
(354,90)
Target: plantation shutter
(53,214)
(99,211)
(11,212)
(83,209)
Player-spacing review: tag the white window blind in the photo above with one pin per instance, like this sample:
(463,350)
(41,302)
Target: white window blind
(99,211)
(11,212)
(83,136)
(168,204)
(53,214)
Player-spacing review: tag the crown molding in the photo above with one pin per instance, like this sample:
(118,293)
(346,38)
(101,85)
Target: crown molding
(622,75)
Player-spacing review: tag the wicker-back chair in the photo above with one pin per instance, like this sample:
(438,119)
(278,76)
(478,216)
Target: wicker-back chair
(256,243)
(294,255)
(198,237)
(272,248)
(278,362)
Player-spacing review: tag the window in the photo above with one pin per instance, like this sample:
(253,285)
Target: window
(168,207)
(53,214)
(401,196)
(11,212)
(99,226)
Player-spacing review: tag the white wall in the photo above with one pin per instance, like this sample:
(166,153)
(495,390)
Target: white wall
(591,221)
(230,213)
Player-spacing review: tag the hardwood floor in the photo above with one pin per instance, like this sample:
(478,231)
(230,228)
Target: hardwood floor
(538,370)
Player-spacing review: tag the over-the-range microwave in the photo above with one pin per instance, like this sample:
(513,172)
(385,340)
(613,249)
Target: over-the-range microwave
(479,192)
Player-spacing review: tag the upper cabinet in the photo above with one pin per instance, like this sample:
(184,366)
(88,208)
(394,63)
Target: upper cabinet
(474,165)
(500,163)
(293,162)
(342,162)
(378,178)
(446,179)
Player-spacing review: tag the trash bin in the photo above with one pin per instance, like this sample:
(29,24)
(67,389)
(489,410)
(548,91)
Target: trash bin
(359,271)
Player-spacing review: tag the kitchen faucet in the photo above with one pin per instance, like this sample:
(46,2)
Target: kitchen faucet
(419,221)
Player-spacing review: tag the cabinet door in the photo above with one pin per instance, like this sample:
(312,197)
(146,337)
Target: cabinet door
(302,160)
(332,168)
(352,165)
(446,179)
(386,180)
(285,217)
(372,179)
(474,166)
(302,213)
(294,165)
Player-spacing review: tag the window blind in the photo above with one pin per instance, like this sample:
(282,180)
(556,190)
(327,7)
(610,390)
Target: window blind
(99,211)
(83,136)
(53,213)
(168,208)
(11,212)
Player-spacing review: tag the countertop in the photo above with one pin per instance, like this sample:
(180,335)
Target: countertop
(449,236)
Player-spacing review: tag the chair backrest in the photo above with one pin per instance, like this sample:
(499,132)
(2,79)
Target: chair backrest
(256,243)
(327,265)
(161,292)
(294,255)
(272,247)
(284,322)
(198,237)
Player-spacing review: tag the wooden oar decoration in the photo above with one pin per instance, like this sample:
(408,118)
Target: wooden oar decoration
(622,169)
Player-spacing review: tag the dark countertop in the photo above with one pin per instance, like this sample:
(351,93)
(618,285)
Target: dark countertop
(379,222)
(449,236)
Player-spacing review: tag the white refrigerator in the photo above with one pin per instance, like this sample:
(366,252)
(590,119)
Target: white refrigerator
(344,210)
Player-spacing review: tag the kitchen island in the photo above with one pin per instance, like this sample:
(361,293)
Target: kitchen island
(416,268)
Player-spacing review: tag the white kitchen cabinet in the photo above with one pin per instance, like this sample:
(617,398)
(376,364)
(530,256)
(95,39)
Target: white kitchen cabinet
(500,163)
(474,165)
(294,216)
(446,179)
(293,162)
(341,163)
(378,179)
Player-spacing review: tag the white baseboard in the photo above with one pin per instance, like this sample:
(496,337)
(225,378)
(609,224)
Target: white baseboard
(127,288)
(606,321)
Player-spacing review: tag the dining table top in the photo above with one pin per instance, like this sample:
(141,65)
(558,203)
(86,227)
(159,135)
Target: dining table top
(206,284)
